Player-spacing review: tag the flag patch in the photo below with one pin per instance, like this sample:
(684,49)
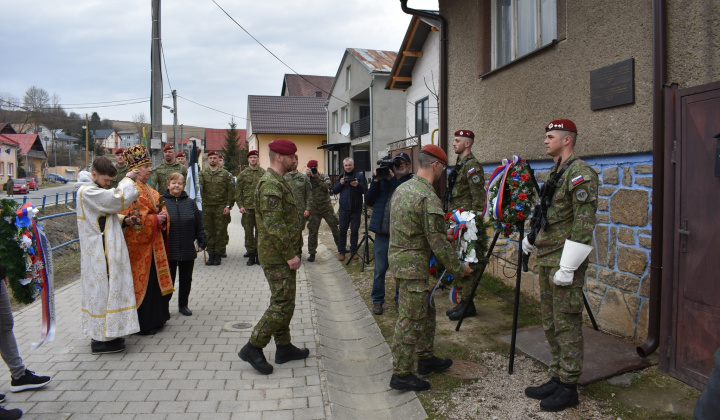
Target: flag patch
(471,171)
(577,180)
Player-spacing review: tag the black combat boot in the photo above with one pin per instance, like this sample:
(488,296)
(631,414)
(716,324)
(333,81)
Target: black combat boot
(454,308)
(246,254)
(543,391)
(565,396)
(471,311)
(433,364)
(311,258)
(256,358)
(224,254)
(408,383)
(210,260)
(289,352)
(218,259)
(251,260)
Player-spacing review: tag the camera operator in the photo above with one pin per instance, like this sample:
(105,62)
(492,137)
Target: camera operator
(385,179)
(351,187)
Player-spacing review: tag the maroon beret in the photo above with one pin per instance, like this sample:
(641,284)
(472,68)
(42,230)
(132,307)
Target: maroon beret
(119,151)
(465,133)
(213,153)
(562,124)
(180,154)
(436,151)
(252,153)
(282,146)
(168,147)
(221,157)
(312,164)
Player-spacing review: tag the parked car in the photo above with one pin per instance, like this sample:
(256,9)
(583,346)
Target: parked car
(20,186)
(57,178)
(32,184)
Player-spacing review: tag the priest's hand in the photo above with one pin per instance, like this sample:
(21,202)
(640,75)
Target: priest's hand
(132,175)
(162,217)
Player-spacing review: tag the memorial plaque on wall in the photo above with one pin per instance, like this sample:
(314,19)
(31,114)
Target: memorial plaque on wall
(613,85)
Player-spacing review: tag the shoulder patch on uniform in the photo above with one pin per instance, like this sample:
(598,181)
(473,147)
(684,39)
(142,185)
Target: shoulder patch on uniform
(476,179)
(577,180)
(273,201)
(471,171)
(581,194)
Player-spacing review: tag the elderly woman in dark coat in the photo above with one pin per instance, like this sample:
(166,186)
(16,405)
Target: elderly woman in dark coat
(186,227)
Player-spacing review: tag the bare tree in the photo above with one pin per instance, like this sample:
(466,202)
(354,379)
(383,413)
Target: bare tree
(140,121)
(35,102)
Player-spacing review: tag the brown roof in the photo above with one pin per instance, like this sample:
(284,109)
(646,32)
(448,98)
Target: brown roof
(375,60)
(306,85)
(415,37)
(215,138)
(287,114)
(27,142)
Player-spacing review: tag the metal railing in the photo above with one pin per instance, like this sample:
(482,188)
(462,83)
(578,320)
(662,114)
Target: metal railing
(360,128)
(70,213)
(69,197)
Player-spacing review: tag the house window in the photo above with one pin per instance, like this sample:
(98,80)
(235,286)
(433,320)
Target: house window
(364,111)
(422,116)
(347,78)
(335,121)
(520,27)
(344,112)
(2,168)
(318,94)
(11,169)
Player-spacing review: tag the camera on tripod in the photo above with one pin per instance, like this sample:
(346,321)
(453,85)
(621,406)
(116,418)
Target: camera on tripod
(384,166)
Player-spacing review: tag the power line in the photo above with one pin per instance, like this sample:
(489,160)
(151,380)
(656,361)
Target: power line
(107,102)
(273,54)
(216,110)
(167,76)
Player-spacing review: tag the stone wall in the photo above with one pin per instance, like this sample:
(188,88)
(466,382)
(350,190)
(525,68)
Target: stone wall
(617,283)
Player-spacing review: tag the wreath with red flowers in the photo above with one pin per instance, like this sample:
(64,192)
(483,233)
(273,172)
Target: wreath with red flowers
(510,195)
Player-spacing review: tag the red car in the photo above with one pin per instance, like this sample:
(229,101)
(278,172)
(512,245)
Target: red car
(32,184)
(20,186)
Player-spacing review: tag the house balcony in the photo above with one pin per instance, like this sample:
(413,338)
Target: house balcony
(360,128)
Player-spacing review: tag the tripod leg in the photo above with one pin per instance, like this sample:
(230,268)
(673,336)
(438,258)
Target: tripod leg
(590,314)
(517,300)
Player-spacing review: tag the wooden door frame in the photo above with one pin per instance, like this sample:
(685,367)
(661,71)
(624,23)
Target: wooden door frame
(673,97)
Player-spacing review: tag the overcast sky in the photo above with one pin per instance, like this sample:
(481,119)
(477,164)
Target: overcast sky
(90,51)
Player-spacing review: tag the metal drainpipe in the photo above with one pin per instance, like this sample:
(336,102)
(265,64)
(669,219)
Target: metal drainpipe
(372,133)
(659,77)
(443,74)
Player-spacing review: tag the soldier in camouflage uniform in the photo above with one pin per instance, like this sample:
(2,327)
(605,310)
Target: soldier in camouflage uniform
(121,166)
(245,197)
(320,208)
(571,220)
(218,196)
(302,191)
(279,246)
(418,231)
(467,193)
(228,218)
(162,172)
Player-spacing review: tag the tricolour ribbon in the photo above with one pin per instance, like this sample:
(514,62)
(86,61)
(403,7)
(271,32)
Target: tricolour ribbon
(47,288)
(499,175)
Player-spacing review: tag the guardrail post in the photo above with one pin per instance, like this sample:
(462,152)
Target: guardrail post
(43,204)
(66,193)
(57,199)
(75,199)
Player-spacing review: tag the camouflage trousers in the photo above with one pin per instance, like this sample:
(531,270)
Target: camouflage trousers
(303,222)
(215,223)
(314,227)
(561,311)
(248,223)
(415,327)
(275,322)
(226,236)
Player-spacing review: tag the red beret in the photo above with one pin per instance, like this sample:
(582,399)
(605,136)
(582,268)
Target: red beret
(119,151)
(436,151)
(221,157)
(252,153)
(282,146)
(180,154)
(168,147)
(465,133)
(312,164)
(213,153)
(563,124)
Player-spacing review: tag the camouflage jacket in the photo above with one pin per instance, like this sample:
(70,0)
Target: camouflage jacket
(418,231)
(300,185)
(469,189)
(320,194)
(245,187)
(278,226)
(121,172)
(160,175)
(216,187)
(572,212)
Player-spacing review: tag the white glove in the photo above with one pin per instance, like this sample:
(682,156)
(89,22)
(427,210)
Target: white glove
(527,247)
(574,253)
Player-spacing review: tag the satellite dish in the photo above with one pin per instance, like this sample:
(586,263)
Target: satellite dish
(345,129)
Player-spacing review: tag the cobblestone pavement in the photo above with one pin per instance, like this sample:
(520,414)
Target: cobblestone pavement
(190,370)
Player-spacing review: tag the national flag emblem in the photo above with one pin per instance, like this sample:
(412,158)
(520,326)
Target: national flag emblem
(471,171)
(577,180)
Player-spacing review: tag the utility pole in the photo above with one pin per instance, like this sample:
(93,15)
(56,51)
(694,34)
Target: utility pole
(174,95)
(156,89)
(87,142)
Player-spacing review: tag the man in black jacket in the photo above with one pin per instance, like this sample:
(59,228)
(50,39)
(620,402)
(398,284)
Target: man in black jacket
(378,196)
(351,202)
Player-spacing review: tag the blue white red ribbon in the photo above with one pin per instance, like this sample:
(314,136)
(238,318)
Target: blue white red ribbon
(499,175)
(454,295)
(47,288)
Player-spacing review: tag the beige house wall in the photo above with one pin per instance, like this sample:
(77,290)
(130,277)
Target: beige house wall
(508,109)
(7,160)
(693,42)
(307,145)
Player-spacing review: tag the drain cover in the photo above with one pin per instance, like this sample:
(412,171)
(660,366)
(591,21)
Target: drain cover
(241,326)
(464,369)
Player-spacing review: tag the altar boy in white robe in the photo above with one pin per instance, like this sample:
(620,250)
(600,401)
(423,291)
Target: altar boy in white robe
(108,296)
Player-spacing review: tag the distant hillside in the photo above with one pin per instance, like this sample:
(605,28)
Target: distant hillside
(187,131)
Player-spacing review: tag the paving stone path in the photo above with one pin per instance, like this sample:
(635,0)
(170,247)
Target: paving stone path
(190,370)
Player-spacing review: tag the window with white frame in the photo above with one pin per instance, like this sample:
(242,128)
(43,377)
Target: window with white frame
(344,114)
(520,27)
(422,116)
(11,169)
(2,168)
(335,121)
(347,77)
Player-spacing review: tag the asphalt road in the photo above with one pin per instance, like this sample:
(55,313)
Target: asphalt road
(55,191)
